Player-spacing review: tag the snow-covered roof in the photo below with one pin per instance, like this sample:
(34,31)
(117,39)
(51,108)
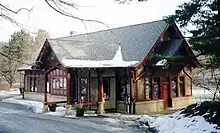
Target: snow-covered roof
(117,61)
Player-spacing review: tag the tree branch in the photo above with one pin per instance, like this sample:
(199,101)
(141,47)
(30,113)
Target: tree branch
(15,12)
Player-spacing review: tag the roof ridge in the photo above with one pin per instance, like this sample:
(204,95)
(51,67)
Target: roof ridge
(62,39)
(110,29)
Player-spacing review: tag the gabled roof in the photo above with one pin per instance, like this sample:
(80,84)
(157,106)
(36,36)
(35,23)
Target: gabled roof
(135,40)
(89,54)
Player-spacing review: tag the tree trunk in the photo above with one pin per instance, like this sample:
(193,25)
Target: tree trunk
(10,85)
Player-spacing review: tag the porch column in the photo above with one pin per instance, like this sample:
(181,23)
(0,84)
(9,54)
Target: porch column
(45,107)
(68,106)
(68,88)
(101,101)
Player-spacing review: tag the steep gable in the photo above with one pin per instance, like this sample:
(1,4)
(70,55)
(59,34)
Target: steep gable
(135,40)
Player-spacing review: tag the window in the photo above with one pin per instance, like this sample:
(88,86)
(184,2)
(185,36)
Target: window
(148,88)
(156,88)
(174,87)
(152,84)
(106,86)
(178,86)
(57,82)
(122,88)
(83,91)
(182,86)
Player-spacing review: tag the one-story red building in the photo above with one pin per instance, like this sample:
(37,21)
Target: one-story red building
(141,68)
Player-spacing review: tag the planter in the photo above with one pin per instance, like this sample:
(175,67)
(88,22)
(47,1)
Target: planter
(80,111)
(52,107)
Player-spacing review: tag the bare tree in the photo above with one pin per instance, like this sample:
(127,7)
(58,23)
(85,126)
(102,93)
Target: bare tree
(208,79)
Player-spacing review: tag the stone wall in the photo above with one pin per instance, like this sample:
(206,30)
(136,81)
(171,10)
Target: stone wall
(40,97)
(181,102)
(121,107)
(147,107)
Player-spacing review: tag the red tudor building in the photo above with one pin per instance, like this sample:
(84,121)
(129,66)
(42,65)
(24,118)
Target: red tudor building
(150,62)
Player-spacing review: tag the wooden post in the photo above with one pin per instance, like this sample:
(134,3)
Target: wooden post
(136,85)
(45,107)
(68,89)
(100,86)
(45,88)
(170,85)
(101,93)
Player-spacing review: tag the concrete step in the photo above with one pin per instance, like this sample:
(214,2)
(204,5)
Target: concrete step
(90,112)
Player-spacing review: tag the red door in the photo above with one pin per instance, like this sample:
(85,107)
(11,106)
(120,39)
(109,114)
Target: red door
(165,95)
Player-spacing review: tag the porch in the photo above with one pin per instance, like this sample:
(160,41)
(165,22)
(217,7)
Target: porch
(110,88)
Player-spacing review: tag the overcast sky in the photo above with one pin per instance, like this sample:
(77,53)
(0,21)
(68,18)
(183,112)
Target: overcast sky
(108,11)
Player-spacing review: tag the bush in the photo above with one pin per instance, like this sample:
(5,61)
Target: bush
(80,111)
(52,107)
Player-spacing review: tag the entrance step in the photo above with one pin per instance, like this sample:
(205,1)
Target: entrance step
(90,112)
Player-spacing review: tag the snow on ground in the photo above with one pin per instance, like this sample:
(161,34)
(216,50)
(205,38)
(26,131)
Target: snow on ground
(8,93)
(175,123)
(37,107)
(179,124)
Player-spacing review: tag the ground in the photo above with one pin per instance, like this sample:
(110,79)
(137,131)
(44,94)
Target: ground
(18,116)
(194,119)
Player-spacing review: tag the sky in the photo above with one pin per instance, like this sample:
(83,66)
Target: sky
(107,11)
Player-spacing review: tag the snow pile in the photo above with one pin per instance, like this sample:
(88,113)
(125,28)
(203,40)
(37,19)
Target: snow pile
(37,107)
(60,111)
(196,118)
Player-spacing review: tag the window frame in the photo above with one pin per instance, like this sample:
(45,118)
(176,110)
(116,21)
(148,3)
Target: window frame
(183,83)
(109,87)
(152,88)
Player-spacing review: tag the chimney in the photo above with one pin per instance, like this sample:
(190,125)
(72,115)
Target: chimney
(72,33)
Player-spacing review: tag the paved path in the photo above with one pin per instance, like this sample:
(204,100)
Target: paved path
(16,118)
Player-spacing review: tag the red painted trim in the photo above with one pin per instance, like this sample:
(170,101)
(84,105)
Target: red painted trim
(89,87)
(158,41)
(148,100)
(144,88)
(45,89)
(161,88)
(184,85)
(68,77)
(136,85)
(170,86)
(100,86)
(47,103)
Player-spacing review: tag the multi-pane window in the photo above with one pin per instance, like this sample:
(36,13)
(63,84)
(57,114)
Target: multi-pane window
(57,82)
(148,88)
(152,87)
(174,87)
(156,88)
(182,86)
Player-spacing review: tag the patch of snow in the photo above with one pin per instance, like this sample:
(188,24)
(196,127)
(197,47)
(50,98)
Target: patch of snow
(112,120)
(7,93)
(37,107)
(162,62)
(60,111)
(70,116)
(90,115)
(179,124)
(175,123)
(117,61)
